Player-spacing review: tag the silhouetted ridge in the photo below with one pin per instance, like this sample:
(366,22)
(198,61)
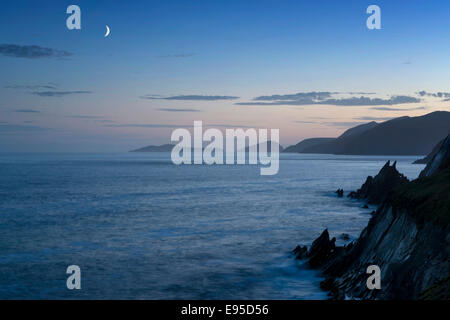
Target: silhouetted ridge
(161,148)
(399,136)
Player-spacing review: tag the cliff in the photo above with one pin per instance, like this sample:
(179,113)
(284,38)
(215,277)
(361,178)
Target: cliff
(430,156)
(408,238)
(440,160)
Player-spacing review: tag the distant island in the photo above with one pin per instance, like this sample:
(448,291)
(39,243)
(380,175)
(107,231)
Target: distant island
(399,136)
(169,147)
(307,143)
(161,148)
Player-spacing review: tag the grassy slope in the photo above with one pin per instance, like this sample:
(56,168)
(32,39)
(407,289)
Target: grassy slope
(427,199)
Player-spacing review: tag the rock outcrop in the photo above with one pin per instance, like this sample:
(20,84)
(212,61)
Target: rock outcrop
(377,189)
(440,160)
(408,238)
(430,156)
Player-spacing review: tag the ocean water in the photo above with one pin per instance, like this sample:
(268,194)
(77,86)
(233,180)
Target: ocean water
(140,227)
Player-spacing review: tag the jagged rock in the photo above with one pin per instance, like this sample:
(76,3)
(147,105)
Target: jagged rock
(365,206)
(321,249)
(377,189)
(328,284)
(344,236)
(300,252)
(340,192)
(430,156)
(440,161)
(408,238)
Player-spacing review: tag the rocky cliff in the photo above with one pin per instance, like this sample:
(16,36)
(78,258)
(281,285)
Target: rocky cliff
(440,160)
(408,238)
(377,189)
(430,156)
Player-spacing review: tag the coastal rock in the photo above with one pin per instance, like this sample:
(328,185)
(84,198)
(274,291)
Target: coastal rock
(321,249)
(440,161)
(300,252)
(408,238)
(430,156)
(344,236)
(340,192)
(377,189)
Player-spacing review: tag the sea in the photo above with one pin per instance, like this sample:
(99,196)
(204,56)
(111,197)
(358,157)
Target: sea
(140,227)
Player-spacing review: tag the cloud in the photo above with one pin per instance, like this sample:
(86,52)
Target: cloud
(32,87)
(84,117)
(364,101)
(365,93)
(178,110)
(104,121)
(11,128)
(301,96)
(324,98)
(190,97)
(397,109)
(374,118)
(178,55)
(31,52)
(152,125)
(345,124)
(305,122)
(26,111)
(435,95)
(227,126)
(58,93)
(159,125)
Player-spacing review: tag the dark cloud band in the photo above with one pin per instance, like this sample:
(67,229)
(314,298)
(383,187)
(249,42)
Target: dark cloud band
(190,98)
(325,98)
(59,93)
(31,52)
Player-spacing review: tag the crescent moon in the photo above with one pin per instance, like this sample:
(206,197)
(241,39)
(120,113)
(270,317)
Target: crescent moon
(107,31)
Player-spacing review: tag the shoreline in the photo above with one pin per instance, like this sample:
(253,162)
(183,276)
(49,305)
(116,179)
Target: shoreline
(406,238)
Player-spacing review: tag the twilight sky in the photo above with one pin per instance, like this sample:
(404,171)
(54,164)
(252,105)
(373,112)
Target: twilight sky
(309,68)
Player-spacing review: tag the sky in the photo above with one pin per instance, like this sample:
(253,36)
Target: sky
(308,68)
